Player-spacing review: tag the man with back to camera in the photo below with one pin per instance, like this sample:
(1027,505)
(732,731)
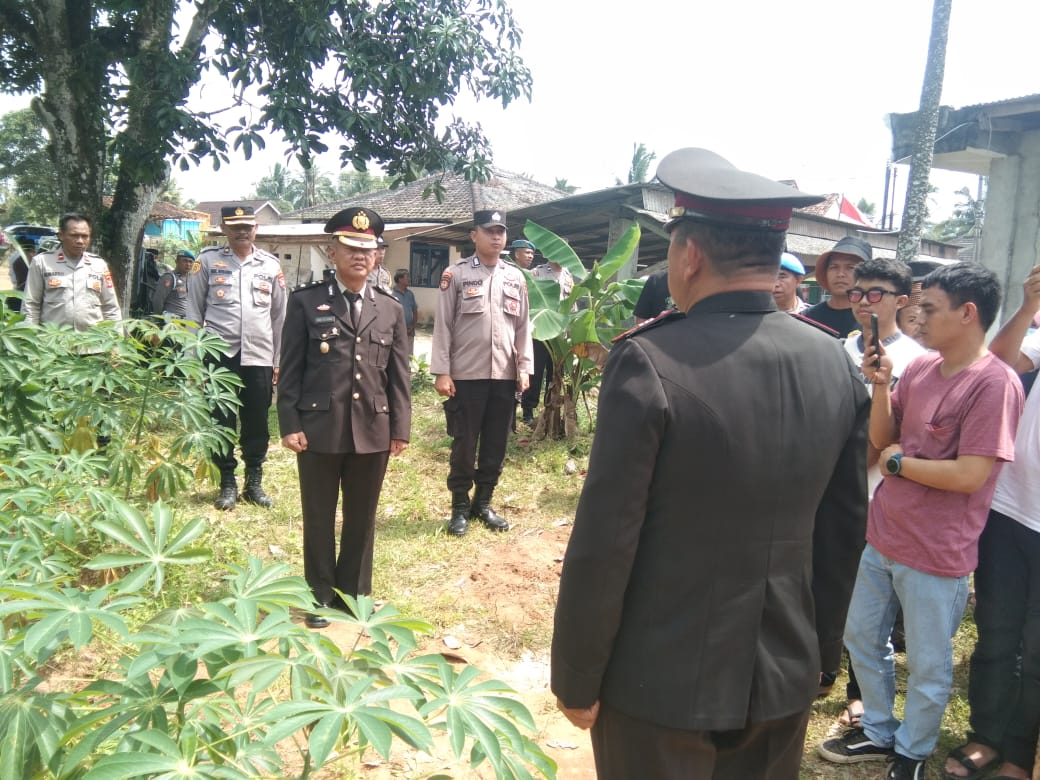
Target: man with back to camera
(481,357)
(239,294)
(685,625)
(344,406)
(942,431)
(835,272)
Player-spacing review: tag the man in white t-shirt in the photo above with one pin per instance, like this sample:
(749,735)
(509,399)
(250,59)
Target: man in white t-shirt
(882,287)
(1005,703)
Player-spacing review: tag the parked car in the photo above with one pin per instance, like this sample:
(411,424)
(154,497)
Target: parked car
(22,230)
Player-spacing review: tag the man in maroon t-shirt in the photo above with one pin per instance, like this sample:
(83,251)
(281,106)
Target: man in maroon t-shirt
(942,432)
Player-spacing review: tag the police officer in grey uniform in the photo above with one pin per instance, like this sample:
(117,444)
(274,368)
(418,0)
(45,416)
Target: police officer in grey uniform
(71,287)
(171,292)
(379,276)
(481,357)
(239,294)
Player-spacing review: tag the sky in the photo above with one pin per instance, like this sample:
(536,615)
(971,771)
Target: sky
(796,90)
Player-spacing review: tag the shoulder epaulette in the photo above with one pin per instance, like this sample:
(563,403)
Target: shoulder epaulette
(264,253)
(666,316)
(815,324)
(385,292)
(307,286)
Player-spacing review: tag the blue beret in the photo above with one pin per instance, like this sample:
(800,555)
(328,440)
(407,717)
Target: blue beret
(791,263)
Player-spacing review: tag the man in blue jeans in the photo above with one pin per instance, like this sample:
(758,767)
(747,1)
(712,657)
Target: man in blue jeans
(942,432)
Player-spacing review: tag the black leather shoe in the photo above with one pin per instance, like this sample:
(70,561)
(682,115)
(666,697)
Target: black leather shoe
(482,511)
(316,621)
(459,523)
(228,495)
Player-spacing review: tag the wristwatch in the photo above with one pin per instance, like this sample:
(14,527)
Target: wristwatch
(894,465)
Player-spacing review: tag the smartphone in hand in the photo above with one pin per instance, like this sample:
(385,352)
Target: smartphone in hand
(876,341)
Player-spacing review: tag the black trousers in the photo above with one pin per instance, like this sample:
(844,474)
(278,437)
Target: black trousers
(1004,684)
(478,416)
(255,399)
(324,478)
(542,368)
(626,748)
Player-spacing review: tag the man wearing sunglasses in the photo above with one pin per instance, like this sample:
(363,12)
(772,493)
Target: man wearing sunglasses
(882,288)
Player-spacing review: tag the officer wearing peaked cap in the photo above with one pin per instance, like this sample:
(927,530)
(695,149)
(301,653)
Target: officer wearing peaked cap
(344,405)
(239,294)
(481,357)
(693,542)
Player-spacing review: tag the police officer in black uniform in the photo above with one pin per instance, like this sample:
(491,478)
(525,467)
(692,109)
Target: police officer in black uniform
(344,405)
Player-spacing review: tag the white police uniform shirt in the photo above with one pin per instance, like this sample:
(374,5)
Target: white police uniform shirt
(242,301)
(78,293)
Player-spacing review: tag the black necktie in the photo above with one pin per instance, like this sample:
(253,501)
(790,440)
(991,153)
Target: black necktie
(352,299)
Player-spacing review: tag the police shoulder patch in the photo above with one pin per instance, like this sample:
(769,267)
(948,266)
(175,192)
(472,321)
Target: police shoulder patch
(446,279)
(669,315)
(818,325)
(307,286)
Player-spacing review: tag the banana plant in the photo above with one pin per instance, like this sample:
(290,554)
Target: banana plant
(577,329)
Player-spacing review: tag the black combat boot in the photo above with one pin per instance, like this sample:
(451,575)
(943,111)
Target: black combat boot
(459,513)
(482,511)
(254,492)
(228,491)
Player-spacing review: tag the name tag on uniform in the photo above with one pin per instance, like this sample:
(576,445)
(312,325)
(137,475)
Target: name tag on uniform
(323,320)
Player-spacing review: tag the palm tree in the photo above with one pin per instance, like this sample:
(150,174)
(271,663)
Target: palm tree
(275,187)
(915,211)
(563,186)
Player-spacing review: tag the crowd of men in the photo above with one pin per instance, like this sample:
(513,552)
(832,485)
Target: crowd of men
(769,482)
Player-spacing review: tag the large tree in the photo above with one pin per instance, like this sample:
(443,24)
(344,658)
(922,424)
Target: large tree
(113,80)
(28,189)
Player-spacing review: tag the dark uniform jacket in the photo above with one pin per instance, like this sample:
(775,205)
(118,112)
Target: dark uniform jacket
(723,438)
(347,391)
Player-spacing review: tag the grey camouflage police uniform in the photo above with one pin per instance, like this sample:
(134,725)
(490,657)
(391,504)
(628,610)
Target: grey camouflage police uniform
(171,295)
(75,293)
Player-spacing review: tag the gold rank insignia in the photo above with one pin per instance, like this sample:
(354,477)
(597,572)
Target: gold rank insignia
(54,281)
(360,221)
(239,211)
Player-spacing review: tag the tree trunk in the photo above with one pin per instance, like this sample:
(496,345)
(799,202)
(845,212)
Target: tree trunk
(924,135)
(71,107)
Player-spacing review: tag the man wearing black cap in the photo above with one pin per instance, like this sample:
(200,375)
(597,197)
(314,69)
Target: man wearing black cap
(836,274)
(239,294)
(481,357)
(684,633)
(344,405)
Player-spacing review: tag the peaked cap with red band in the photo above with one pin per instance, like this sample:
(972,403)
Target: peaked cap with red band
(356,227)
(709,188)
